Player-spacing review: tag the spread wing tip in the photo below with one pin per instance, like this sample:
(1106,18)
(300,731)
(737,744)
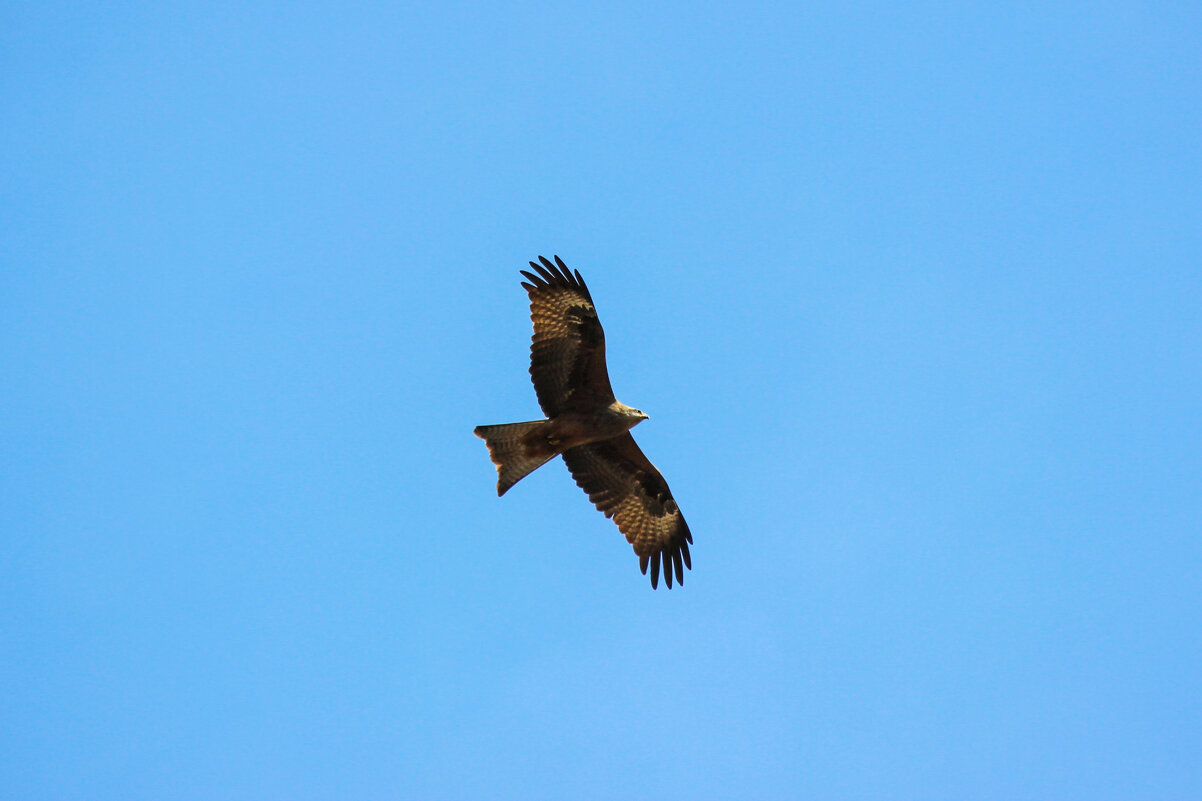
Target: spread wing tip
(554,274)
(675,558)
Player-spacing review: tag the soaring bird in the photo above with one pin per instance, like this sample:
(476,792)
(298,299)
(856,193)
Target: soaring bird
(587,425)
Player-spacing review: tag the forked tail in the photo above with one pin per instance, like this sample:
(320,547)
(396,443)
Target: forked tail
(517,449)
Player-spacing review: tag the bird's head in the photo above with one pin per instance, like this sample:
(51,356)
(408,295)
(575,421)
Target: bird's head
(630,411)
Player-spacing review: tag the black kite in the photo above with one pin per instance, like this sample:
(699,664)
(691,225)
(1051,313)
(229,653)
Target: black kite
(587,426)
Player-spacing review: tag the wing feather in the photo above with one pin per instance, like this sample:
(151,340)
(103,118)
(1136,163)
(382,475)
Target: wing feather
(623,484)
(567,351)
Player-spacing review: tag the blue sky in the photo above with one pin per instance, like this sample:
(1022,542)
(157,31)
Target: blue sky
(911,293)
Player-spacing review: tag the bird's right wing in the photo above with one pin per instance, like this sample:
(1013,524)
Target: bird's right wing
(567,353)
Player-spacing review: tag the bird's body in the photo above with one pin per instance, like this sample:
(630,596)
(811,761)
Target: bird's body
(569,429)
(587,426)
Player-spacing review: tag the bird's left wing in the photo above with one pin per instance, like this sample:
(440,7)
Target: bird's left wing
(621,481)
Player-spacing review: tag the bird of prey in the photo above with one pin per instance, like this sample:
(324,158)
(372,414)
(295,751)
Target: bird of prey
(587,426)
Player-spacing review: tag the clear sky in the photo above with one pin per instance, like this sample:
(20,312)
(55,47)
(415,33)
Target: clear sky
(911,292)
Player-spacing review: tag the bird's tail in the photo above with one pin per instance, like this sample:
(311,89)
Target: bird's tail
(517,449)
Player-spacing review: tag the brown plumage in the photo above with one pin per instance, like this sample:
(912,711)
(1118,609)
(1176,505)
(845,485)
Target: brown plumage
(587,426)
